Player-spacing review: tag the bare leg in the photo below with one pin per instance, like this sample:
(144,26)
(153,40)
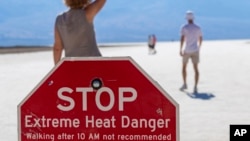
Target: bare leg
(184,73)
(196,70)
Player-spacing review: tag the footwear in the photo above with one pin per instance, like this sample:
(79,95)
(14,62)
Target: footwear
(195,90)
(183,87)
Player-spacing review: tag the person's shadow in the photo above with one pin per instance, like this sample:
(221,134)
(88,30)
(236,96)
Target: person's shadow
(200,95)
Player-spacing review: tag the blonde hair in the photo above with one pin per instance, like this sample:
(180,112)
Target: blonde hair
(74,4)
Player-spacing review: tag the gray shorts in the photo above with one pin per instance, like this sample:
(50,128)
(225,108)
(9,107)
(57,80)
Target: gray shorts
(194,56)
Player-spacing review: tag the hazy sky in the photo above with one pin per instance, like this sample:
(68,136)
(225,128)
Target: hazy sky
(32,21)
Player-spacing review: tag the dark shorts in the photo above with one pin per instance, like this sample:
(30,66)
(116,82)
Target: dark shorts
(151,46)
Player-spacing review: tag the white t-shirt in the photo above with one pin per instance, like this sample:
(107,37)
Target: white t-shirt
(192,33)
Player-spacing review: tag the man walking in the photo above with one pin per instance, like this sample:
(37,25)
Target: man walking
(192,36)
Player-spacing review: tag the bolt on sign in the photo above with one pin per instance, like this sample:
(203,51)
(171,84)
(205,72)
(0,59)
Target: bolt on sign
(101,99)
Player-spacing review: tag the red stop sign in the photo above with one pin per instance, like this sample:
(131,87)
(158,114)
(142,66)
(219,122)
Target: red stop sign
(98,99)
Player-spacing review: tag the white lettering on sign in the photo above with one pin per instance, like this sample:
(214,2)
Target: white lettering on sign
(153,124)
(44,122)
(100,123)
(85,90)
(66,98)
(123,99)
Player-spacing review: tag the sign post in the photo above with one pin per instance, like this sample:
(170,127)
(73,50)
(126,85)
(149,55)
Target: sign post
(102,99)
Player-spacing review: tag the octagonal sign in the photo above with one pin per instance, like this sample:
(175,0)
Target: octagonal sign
(102,99)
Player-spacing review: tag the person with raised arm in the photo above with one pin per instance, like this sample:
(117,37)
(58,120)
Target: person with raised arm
(74,30)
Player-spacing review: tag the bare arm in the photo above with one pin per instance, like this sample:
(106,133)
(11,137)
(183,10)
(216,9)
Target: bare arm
(93,8)
(181,44)
(57,48)
(200,41)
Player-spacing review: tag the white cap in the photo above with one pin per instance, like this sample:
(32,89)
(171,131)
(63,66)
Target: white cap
(189,15)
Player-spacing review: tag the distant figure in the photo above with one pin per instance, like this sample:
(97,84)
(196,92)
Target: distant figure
(191,34)
(151,44)
(74,29)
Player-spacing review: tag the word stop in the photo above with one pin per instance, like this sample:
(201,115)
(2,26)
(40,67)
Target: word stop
(61,93)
